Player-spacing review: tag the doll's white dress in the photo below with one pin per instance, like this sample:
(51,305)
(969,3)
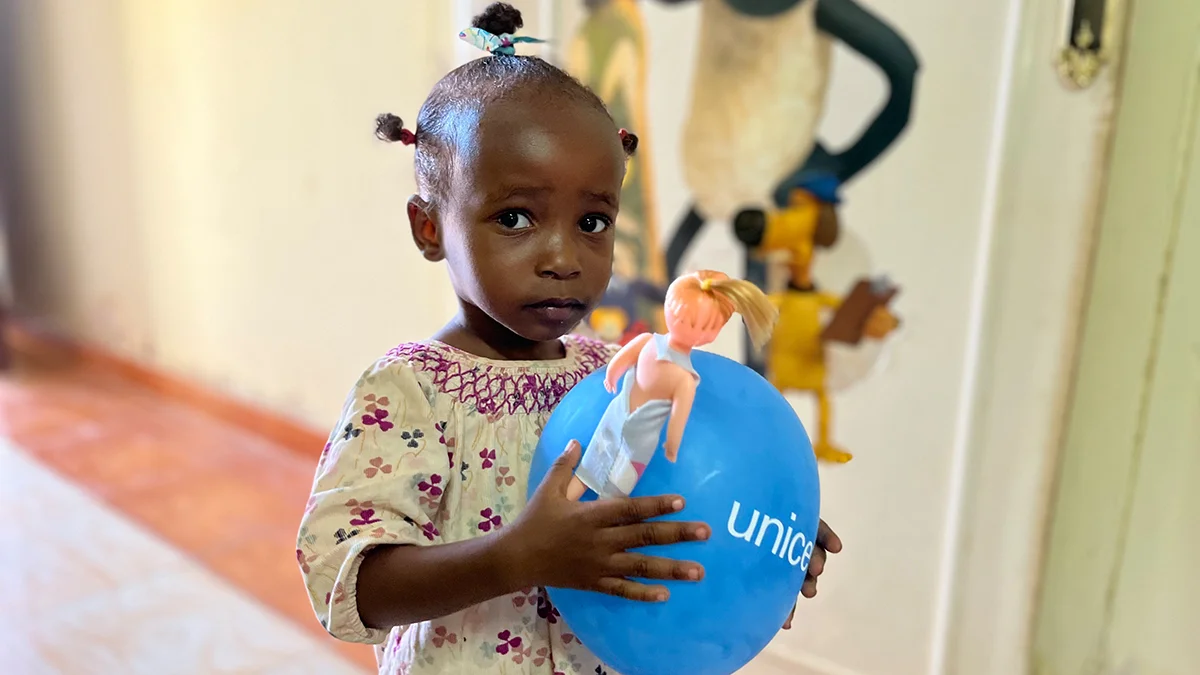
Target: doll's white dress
(625,441)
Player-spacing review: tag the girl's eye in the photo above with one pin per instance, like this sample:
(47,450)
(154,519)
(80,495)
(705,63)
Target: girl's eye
(514,220)
(594,224)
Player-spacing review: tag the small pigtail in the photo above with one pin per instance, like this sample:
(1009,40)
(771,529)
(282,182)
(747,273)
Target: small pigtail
(500,18)
(629,142)
(390,128)
(757,310)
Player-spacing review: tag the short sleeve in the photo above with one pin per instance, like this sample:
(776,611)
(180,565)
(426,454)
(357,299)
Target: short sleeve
(379,482)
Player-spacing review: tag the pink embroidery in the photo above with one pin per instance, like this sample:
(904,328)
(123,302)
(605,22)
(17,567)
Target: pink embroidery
(494,387)
(491,521)
(508,641)
(488,457)
(377,467)
(378,417)
(441,636)
(525,596)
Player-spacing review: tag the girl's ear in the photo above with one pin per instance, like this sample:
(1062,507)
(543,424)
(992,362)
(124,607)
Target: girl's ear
(424,229)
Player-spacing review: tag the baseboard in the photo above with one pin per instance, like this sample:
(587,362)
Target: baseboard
(29,339)
(771,662)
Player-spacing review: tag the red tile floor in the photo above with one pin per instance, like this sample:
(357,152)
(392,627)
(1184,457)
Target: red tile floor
(223,495)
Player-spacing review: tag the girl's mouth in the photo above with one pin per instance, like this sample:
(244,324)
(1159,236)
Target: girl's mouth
(558,310)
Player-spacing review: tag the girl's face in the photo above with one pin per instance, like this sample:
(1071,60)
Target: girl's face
(526,224)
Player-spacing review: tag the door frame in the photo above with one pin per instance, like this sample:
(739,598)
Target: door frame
(1034,273)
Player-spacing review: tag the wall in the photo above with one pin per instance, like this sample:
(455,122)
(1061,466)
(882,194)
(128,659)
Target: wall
(1120,594)
(213,201)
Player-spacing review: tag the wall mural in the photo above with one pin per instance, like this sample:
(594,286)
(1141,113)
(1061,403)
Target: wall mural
(752,157)
(608,54)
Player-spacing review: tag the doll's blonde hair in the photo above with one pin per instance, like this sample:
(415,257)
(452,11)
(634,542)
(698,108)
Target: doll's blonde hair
(708,299)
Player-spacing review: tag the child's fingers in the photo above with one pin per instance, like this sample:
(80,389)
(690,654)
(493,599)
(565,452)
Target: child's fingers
(564,467)
(658,533)
(613,512)
(827,539)
(636,566)
(817,565)
(630,590)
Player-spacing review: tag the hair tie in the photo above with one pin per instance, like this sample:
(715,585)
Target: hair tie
(492,43)
(623,133)
(706,285)
(407,137)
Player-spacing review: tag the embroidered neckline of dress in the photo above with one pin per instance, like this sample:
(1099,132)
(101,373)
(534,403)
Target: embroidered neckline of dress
(511,387)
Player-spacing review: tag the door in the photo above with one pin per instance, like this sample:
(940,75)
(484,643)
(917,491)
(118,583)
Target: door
(1120,594)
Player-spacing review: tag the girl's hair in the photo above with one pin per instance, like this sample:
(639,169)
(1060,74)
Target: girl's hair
(451,113)
(712,298)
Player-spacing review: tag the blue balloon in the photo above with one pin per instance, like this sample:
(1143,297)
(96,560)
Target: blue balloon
(746,467)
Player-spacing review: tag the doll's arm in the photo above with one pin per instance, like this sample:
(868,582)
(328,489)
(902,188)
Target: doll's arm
(681,409)
(623,361)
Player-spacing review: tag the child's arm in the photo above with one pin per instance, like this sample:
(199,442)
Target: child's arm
(368,545)
(400,585)
(681,409)
(624,360)
(373,558)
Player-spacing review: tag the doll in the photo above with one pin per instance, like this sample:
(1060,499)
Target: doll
(658,382)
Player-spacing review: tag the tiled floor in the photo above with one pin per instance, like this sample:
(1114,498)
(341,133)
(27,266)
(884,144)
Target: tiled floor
(138,536)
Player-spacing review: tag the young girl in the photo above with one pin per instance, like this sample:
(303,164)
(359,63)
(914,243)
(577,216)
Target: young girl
(417,537)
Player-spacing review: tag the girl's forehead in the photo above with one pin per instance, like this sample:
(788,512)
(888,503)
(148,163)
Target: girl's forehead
(531,127)
(562,141)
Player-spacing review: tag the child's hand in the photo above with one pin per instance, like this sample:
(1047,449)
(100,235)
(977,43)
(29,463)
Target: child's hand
(583,545)
(827,541)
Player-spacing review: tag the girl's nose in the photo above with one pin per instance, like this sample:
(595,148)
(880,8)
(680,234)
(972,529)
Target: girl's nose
(560,257)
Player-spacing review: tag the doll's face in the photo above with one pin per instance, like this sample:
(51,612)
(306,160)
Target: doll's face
(689,332)
(693,316)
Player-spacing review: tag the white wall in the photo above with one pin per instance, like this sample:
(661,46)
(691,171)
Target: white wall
(215,202)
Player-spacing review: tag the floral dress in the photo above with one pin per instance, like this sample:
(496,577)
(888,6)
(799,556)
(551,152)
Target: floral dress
(434,446)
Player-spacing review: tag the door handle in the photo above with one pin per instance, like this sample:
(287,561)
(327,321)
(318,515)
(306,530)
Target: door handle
(1091,34)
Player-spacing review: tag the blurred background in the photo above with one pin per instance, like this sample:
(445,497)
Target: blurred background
(204,245)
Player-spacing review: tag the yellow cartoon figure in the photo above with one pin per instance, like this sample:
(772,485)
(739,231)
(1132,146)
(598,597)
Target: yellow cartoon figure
(796,358)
